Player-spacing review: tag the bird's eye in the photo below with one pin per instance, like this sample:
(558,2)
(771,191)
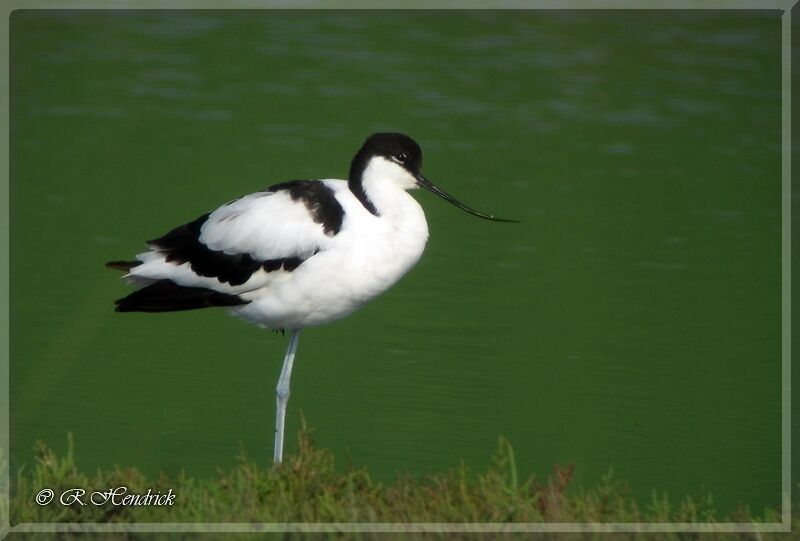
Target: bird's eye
(402,157)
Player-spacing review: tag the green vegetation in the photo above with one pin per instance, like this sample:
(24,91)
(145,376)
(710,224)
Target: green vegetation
(307,488)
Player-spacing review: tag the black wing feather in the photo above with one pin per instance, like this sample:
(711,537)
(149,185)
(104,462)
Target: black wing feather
(183,244)
(167,296)
(123,265)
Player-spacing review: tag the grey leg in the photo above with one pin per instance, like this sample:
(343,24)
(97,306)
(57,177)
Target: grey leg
(283,393)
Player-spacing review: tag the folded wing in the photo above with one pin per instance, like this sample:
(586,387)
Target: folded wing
(241,247)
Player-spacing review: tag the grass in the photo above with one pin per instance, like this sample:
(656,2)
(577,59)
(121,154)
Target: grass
(306,488)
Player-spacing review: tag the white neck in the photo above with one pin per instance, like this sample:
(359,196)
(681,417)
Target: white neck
(385,183)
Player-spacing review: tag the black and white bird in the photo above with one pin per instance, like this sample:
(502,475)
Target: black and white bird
(297,254)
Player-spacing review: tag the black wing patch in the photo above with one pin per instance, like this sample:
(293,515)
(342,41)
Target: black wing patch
(182,244)
(167,296)
(318,199)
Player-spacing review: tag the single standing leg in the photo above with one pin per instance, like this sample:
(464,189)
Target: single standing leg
(283,393)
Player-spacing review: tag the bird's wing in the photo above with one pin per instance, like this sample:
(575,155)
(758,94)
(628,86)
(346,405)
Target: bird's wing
(246,243)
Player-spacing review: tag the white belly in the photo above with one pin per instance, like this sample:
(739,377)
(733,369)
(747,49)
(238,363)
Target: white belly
(367,256)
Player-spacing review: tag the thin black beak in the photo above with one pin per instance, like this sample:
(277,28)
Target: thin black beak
(430,186)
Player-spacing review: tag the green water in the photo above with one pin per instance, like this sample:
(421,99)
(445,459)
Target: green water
(630,322)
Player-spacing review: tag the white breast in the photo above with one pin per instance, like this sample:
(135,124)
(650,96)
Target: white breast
(368,255)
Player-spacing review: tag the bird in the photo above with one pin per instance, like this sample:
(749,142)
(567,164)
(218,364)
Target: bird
(297,254)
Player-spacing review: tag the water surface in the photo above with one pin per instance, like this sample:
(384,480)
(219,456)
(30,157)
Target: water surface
(630,322)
